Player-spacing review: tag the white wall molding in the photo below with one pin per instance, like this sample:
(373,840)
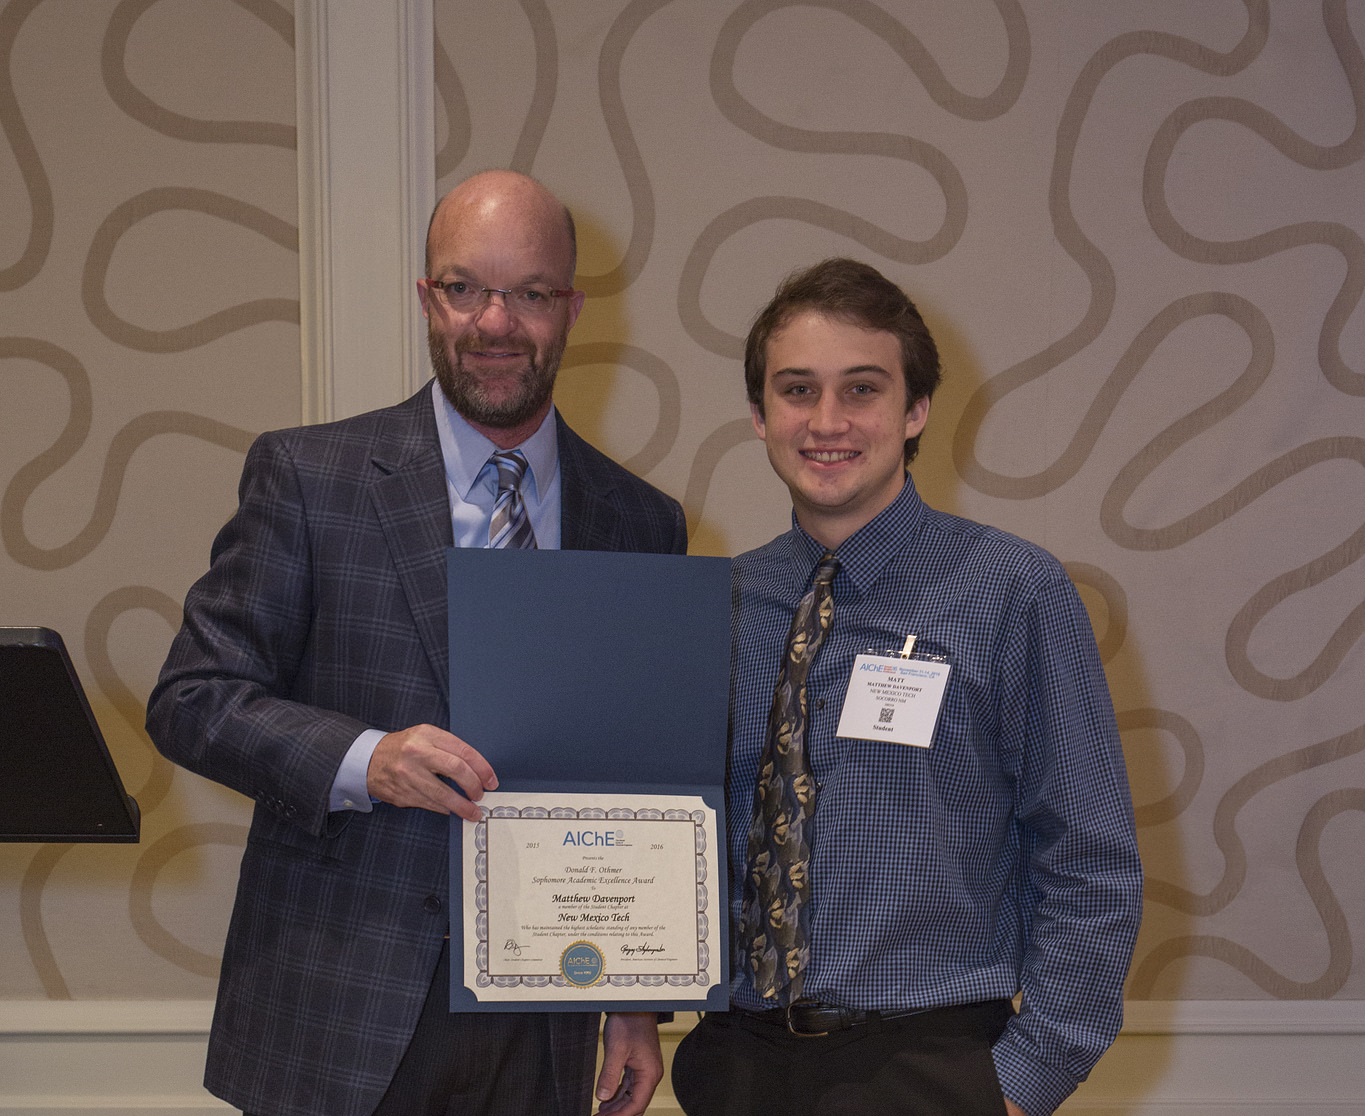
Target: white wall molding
(105,1017)
(364,109)
(1243,1017)
(1143,1017)
(1189,1058)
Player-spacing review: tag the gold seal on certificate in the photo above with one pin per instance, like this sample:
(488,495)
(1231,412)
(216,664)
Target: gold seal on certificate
(582,964)
(590,896)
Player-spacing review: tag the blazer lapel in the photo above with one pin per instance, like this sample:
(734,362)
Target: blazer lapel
(409,496)
(589,518)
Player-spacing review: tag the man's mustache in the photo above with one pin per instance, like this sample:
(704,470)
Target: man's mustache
(478,344)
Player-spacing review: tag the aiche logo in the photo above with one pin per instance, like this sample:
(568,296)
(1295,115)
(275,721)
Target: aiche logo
(582,964)
(591,838)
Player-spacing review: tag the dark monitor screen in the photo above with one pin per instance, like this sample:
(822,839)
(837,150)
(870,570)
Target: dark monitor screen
(57,779)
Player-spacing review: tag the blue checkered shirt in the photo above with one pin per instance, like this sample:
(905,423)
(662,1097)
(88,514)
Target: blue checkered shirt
(1002,858)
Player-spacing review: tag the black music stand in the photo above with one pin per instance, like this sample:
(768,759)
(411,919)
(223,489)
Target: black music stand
(57,779)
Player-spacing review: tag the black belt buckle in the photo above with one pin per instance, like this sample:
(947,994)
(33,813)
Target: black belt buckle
(810,1015)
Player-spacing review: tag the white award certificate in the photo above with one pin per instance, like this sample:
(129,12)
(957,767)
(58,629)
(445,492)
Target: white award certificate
(585,897)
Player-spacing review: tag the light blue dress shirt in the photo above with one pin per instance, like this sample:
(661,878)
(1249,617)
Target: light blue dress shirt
(472,486)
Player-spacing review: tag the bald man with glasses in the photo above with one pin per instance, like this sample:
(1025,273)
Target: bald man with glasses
(311,675)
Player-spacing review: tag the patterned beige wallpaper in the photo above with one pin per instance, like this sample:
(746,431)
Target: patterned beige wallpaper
(148,328)
(1136,231)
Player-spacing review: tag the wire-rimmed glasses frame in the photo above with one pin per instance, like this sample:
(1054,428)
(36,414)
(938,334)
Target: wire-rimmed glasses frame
(466,297)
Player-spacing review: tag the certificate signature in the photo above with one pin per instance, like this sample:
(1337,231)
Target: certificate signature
(591,896)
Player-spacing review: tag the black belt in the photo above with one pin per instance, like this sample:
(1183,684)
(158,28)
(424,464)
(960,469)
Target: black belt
(812,1020)
(809,1019)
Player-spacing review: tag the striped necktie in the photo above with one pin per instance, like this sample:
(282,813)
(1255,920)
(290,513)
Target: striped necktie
(774,910)
(509,526)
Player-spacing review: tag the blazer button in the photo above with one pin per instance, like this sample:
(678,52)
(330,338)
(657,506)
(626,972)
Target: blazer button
(432,904)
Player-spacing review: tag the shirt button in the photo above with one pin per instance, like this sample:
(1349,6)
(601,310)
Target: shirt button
(432,904)
(349,804)
(821,703)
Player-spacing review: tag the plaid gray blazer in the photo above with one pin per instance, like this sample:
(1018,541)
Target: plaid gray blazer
(324,613)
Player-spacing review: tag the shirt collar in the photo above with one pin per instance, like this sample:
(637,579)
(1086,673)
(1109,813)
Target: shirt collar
(465,451)
(864,555)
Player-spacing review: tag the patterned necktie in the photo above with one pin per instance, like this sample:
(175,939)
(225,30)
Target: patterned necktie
(774,914)
(509,526)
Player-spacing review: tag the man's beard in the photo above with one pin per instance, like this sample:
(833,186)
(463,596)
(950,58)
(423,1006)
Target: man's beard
(468,394)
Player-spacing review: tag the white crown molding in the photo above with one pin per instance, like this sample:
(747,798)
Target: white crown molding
(364,110)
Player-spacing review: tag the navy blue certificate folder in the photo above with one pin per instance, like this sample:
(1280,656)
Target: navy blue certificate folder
(592,671)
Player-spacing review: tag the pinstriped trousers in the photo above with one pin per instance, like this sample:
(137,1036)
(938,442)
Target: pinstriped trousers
(473,1063)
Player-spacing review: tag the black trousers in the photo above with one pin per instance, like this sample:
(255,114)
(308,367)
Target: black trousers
(936,1063)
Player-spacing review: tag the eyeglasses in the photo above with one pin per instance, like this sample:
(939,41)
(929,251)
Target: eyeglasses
(532,299)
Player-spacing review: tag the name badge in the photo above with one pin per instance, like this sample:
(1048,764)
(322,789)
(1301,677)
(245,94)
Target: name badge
(894,699)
